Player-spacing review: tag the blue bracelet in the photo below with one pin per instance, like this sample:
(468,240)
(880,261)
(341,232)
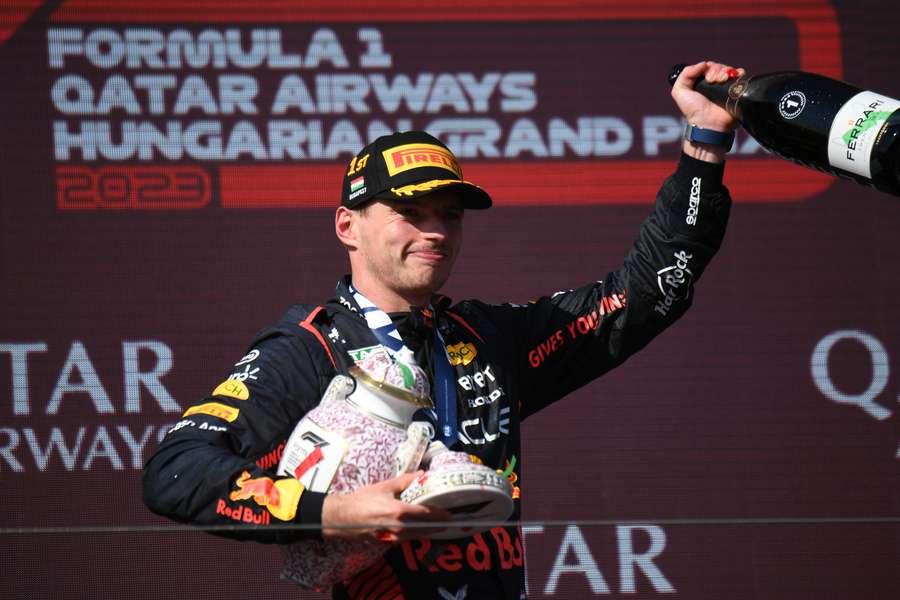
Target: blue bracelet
(692,133)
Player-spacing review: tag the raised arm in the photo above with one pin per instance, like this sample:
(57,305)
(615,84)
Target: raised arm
(572,337)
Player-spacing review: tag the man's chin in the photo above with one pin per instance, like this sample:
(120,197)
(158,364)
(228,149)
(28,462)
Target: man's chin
(426,286)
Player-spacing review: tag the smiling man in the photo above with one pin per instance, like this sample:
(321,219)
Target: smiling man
(491,366)
(403,239)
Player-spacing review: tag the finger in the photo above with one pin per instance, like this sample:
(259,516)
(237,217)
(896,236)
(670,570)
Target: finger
(696,69)
(726,72)
(716,72)
(690,74)
(401,482)
(397,484)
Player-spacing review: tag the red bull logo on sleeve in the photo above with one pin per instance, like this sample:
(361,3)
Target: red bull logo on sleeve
(279,497)
(243,514)
(261,489)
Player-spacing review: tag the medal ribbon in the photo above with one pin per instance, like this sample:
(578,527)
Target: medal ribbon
(444,385)
(444,390)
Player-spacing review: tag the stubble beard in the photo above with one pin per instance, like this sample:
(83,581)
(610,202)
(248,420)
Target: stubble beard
(423,281)
(412,281)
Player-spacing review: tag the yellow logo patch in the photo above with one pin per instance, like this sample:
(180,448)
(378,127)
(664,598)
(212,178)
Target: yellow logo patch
(412,156)
(461,354)
(233,389)
(214,409)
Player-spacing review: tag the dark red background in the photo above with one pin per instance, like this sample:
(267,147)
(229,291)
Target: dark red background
(716,433)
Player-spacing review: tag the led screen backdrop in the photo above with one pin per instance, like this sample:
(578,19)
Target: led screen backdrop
(168,173)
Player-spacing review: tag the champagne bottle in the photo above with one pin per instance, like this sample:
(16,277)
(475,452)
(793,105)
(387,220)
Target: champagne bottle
(817,122)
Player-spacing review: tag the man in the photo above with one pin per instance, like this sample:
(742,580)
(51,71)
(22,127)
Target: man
(401,222)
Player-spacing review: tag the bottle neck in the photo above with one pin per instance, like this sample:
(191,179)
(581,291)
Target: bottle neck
(726,94)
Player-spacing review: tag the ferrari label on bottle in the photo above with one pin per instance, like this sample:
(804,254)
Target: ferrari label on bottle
(855,129)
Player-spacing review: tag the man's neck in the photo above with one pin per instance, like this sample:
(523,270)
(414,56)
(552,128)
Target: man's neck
(388,300)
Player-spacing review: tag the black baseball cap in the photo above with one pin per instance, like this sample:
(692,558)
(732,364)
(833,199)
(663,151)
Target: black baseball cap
(407,165)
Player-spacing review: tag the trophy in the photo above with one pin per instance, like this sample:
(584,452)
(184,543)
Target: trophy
(364,431)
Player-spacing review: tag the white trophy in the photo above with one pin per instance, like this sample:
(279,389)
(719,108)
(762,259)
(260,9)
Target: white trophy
(361,433)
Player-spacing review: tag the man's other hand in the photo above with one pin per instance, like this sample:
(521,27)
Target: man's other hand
(375,512)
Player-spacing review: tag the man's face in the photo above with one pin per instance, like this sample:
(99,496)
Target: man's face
(410,246)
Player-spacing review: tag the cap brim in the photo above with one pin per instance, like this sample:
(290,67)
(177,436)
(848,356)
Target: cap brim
(473,197)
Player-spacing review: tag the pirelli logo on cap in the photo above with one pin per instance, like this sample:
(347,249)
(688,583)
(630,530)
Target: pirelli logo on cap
(412,156)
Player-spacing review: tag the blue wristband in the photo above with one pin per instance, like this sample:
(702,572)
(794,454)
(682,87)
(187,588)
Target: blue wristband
(692,133)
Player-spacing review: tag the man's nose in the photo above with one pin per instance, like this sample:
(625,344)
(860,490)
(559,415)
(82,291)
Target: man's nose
(434,226)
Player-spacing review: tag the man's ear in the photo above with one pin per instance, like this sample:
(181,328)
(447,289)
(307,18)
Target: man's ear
(344,227)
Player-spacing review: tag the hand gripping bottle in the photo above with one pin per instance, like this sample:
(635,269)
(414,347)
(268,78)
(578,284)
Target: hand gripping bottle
(817,122)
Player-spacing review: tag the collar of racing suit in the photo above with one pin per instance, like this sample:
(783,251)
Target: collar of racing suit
(415,326)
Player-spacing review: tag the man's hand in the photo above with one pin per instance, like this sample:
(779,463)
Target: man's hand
(375,512)
(699,111)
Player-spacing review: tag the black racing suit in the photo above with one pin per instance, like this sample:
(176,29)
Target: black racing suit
(510,361)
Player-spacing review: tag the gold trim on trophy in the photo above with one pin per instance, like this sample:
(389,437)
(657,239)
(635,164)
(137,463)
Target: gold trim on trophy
(393,391)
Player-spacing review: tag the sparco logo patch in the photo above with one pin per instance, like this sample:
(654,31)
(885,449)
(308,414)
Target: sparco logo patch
(694,204)
(674,282)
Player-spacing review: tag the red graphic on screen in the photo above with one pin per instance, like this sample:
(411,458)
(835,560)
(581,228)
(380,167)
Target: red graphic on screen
(13,14)
(510,181)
